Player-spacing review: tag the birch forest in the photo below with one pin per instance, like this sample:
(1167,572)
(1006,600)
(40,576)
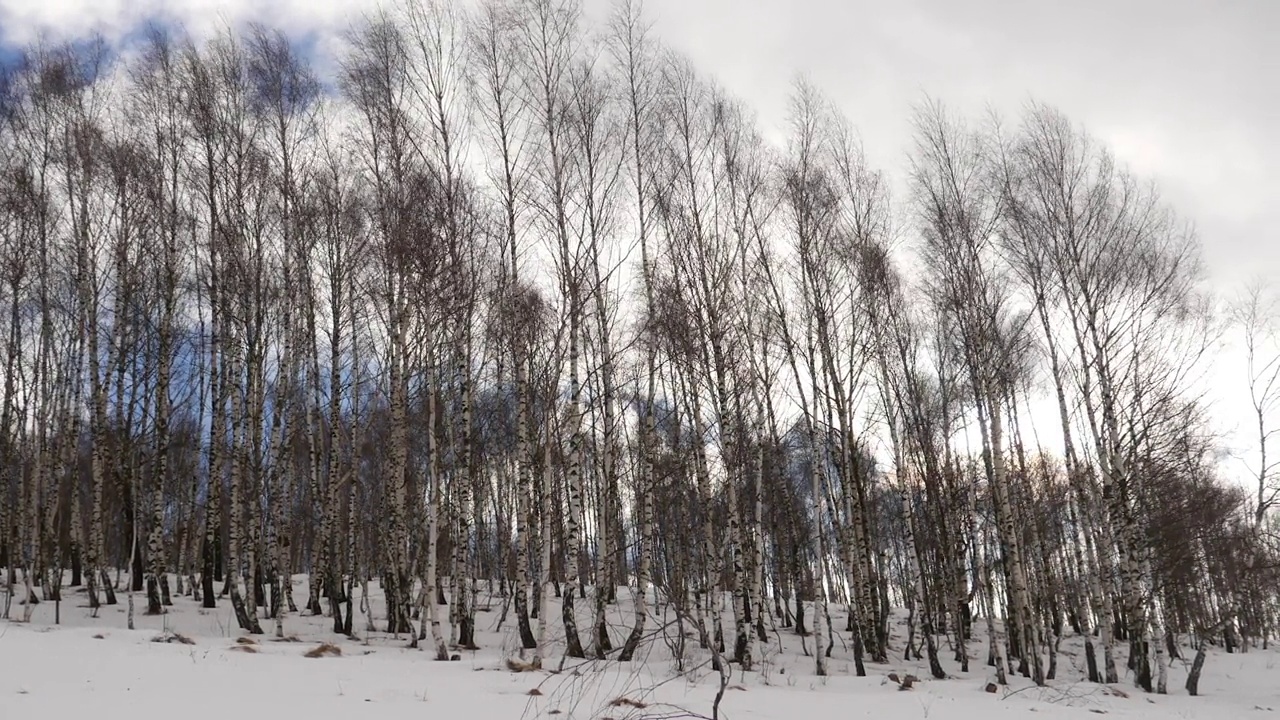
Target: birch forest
(499,305)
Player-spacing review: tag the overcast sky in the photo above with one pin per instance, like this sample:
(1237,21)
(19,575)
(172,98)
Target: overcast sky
(1185,91)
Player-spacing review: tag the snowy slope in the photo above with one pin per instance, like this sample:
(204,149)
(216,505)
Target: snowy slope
(96,667)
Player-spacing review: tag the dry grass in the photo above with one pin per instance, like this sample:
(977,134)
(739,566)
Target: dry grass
(1115,691)
(518,666)
(173,637)
(324,650)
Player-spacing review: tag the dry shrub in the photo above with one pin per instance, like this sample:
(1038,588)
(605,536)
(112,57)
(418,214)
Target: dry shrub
(628,702)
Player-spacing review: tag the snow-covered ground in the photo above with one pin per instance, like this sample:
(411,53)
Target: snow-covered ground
(95,667)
